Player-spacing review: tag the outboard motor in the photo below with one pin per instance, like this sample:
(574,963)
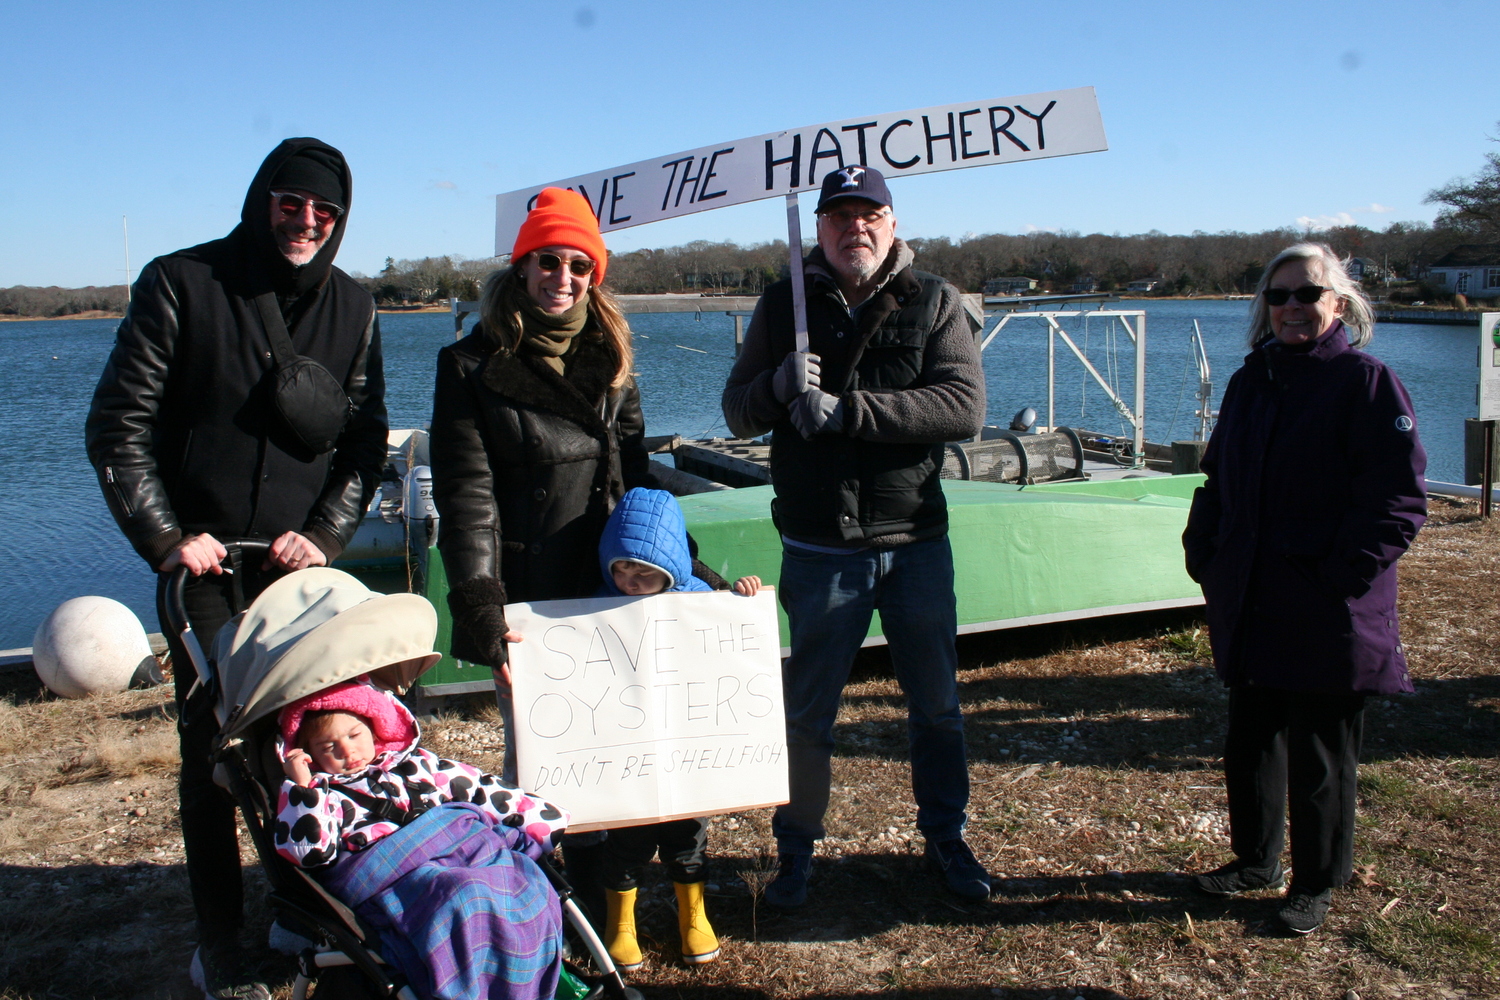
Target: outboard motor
(419,511)
(1023,421)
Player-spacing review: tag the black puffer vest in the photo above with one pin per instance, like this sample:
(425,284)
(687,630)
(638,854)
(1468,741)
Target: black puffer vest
(837,490)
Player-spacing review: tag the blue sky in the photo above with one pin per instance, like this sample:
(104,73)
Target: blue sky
(1219,116)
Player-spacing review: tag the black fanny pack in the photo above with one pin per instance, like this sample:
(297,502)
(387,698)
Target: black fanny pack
(311,403)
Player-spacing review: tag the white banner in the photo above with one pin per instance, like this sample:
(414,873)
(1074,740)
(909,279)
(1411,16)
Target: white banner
(976,134)
(634,710)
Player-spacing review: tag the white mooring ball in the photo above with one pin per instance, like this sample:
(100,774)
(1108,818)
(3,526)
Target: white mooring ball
(89,645)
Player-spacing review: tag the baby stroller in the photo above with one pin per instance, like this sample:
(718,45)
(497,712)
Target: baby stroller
(247,686)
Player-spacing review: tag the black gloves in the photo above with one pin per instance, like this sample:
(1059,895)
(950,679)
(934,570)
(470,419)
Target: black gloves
(478,607)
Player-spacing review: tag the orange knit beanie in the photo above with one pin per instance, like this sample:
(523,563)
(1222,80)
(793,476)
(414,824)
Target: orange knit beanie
(562,218)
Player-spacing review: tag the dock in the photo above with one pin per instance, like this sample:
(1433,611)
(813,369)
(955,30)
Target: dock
(1444,317)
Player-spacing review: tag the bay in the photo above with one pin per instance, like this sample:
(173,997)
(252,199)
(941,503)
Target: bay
(57,539)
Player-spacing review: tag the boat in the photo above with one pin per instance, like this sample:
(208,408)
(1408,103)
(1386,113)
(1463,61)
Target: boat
(1048,524)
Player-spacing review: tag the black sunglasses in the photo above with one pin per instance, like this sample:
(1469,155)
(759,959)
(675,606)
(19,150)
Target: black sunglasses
(578,265)
(292,204)
(1307,294)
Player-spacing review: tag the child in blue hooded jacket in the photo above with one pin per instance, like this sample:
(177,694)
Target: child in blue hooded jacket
(645,550)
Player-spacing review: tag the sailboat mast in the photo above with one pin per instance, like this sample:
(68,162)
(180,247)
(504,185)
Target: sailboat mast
(125,227)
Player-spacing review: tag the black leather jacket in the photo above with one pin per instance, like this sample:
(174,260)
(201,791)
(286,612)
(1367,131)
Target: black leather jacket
(181,432)
(527,466)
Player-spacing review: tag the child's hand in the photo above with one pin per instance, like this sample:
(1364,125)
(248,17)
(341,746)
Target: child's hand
(297,767)
(747,586)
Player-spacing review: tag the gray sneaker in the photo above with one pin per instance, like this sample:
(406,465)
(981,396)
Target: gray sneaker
(1305,912)
(1237,877)
(222,973)
(789,889)
(961,871)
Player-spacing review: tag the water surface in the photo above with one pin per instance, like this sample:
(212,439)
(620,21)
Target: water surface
(57,539)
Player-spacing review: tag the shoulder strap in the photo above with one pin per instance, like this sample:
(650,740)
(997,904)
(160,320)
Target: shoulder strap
(270,318)
(387,810)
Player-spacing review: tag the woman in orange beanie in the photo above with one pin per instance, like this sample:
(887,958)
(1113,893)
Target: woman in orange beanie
(536,429)
(536,433)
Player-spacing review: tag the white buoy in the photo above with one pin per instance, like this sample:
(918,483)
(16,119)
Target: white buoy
(89,645)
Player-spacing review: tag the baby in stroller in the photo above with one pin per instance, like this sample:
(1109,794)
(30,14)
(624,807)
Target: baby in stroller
(434,856)
(424,848)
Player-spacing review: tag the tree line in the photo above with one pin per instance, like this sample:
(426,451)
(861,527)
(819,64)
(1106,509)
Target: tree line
(26,300)
(1195,264)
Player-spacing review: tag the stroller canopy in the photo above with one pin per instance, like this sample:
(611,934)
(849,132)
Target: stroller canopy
(310,630)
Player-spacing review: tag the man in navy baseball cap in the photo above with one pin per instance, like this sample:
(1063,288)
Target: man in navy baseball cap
(858,423)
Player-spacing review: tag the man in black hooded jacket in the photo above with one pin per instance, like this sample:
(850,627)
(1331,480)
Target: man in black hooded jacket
(190,450)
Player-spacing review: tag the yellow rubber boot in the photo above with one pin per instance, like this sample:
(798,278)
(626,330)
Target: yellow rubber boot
(619,930)
(699,944)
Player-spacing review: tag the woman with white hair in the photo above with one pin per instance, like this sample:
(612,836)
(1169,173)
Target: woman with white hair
(1314,489)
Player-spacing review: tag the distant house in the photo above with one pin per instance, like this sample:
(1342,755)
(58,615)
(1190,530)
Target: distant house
(1471,269)
(1143,285)
(1362,268)
(1085,285)
(1009,286)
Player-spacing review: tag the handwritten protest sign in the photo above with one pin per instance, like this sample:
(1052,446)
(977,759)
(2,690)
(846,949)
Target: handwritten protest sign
(633,710)
(948,137)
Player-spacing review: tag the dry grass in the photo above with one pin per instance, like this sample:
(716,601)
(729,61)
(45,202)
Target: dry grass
(1094,753)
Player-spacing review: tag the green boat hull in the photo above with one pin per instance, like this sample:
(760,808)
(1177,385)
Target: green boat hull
(1022,555)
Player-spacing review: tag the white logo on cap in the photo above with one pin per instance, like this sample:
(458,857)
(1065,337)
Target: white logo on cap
(1403,423)
(852,176)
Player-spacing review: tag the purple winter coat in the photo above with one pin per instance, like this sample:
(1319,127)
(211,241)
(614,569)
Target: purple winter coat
(1315,488)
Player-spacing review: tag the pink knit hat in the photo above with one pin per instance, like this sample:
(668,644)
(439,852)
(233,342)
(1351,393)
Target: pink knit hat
(390,723)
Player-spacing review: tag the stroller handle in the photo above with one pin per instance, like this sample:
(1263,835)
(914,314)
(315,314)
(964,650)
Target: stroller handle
(175,607)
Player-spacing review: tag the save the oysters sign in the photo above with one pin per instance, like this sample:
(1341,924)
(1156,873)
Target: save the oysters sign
(632,710)
(925,140)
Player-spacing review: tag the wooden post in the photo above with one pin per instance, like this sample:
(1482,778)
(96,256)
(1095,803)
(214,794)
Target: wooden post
(1186,456)
(1474,449)
(1488,485)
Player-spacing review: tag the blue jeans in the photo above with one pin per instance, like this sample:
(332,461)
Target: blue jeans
(829,600)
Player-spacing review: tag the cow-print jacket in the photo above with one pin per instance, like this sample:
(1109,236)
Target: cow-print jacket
(313,824)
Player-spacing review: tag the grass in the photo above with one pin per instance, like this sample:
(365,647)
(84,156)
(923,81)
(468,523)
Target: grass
(1094,754)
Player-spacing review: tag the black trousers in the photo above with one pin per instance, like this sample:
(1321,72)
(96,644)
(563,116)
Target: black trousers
(207,814)
(1299,747)
(682,843)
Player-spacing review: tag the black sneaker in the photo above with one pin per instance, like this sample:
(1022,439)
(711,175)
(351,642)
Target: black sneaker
(962,872)
(223,973)
(1237,877)
(789,889)
(1305,912)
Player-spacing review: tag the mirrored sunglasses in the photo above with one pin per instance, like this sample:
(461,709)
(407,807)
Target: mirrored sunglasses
(1307,294)
(292,204)
(578,265)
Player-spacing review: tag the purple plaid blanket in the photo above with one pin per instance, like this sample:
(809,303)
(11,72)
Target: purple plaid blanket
(460,910)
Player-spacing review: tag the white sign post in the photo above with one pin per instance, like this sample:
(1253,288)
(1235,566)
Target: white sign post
(635,710)
(1489,366)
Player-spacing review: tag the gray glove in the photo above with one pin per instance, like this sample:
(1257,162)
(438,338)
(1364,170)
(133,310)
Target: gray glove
(799,372)
(817,412)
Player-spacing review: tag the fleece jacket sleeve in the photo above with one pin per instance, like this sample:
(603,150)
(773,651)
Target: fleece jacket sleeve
(750,407)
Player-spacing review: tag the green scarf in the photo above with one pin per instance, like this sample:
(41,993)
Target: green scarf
(548,336)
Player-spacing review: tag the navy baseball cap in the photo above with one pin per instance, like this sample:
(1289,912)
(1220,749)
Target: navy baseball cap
(854,182)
